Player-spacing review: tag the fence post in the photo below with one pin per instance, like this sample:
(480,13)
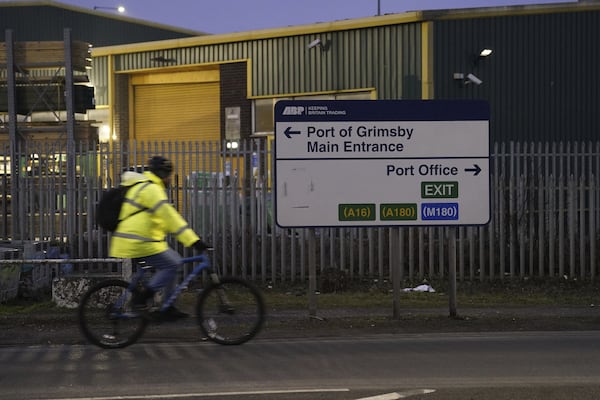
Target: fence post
(592,222)
(126,269)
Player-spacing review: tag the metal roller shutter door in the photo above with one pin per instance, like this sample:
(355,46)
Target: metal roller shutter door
(181,111)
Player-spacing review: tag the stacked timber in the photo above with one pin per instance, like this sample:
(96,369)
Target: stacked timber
(48,54)
(49,97)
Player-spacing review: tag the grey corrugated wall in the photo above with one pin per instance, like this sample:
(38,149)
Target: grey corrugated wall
(542,79)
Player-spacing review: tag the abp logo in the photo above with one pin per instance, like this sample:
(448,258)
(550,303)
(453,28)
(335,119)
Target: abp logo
(293,110)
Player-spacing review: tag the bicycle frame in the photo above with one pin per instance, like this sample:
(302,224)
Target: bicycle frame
(228,310)
(202,263)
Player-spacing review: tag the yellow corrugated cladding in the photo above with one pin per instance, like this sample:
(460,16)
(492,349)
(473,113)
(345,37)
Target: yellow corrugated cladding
(176,106)
(427,89)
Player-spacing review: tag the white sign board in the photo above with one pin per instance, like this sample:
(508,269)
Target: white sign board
(381,163)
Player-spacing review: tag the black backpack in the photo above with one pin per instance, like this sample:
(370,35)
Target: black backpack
(109,207)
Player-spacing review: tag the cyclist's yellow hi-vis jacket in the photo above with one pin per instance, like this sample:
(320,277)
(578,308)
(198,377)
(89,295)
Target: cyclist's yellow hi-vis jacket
(144,233)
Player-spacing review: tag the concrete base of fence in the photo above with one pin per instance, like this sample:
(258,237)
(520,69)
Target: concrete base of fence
(67,291)
(10,275)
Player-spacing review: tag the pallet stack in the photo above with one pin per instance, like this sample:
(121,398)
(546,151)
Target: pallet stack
(40,76)
(41,71)
(49,54)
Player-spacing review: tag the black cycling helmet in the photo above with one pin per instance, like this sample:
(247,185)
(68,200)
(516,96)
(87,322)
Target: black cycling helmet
(160,166)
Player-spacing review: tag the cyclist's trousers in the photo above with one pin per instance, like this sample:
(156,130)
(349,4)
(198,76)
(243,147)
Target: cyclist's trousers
(166,264)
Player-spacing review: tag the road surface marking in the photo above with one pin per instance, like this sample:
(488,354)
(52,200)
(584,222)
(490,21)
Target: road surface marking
(214,394)
(398,395)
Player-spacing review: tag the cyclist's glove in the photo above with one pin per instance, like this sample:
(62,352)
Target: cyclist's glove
(200,246)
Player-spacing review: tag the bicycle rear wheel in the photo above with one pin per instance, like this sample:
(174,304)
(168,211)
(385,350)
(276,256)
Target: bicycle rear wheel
(106,318)
(231,312)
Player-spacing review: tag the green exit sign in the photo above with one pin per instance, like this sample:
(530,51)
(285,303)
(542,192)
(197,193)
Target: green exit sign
(439,190)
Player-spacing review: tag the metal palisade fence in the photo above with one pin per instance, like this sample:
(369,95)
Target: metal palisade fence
(544,206)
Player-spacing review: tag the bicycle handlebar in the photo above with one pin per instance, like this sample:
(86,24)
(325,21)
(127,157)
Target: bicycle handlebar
(198,257)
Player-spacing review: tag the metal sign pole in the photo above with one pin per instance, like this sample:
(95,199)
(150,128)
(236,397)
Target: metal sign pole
(396,263)
(312,273)
(452,271)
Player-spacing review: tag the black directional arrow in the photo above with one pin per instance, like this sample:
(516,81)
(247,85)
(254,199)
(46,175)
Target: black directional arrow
(289,132)
(475,170)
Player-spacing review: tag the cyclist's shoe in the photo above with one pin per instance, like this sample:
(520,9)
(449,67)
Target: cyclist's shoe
(174,312)
(140,298)
(170,314)
(227,309)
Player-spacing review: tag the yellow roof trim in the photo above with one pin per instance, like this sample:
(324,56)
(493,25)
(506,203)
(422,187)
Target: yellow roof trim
(321,27)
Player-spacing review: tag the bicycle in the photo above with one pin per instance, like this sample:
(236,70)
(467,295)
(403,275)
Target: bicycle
(229,310)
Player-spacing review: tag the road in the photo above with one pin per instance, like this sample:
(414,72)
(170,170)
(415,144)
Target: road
(548,365)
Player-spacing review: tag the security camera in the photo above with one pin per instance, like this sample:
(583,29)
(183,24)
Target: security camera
(314,43)
(474,79)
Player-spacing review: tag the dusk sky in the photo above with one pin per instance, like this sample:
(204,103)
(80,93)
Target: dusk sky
(226,16)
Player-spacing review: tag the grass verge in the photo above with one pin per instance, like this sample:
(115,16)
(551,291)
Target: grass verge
(375,294)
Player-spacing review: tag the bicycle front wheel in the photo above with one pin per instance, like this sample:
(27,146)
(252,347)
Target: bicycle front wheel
(231,312)
(106,318)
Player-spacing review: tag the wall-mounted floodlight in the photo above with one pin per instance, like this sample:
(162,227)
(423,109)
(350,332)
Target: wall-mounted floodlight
(473,79)
(163,59)
(485,52)
(469,78)
(314,43)
(119,9)
(323,44)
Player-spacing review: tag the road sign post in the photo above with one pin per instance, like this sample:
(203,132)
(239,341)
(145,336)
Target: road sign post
(382,163)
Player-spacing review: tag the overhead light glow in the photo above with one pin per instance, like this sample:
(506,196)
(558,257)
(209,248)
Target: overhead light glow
(119,9)
(104,134)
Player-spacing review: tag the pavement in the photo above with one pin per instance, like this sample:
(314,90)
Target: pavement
(59,327)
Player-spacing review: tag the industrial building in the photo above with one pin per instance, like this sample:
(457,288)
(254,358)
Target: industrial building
(535,66)
(540,77)
(150,80)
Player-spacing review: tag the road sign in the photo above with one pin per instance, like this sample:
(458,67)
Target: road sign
(381,163)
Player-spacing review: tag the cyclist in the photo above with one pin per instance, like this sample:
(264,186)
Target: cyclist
(141,235)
